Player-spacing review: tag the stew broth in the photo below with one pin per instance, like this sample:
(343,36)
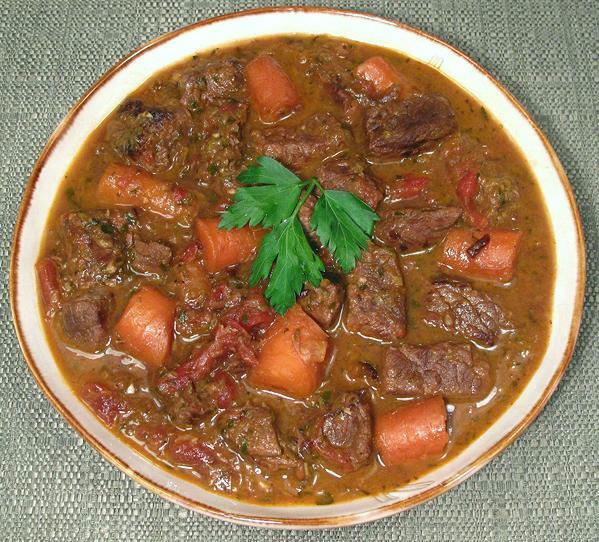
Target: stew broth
(204,162)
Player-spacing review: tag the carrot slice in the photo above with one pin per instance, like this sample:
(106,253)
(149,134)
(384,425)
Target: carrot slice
(146,326)
(132,187)
(272,92)
(47,275)
(292,355)
(378,76)
(222,248)
(492,256)
(412,432)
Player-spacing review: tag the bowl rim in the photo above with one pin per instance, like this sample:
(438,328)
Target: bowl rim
(296,523)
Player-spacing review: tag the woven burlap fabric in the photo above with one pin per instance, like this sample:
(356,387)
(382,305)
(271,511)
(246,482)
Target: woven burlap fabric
(54,487)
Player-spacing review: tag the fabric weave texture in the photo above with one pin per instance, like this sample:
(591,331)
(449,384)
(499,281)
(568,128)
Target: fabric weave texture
(55,487)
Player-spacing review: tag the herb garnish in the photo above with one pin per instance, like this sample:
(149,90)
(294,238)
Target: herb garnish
(272,197)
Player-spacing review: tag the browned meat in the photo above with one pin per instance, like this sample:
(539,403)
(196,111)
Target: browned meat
(84,319)
(319,137)
(323,303)
(443,368)
(415,229)
(251,430)
(458,308)
(342,436)
(349,175)
(213,81)
(217,153)
(149,137)
(152,258)
(376,296)
(94,247)
(229,339)
(402,128)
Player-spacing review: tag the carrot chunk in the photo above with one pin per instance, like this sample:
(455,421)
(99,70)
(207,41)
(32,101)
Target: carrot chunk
(47,275)
(292,355)
(132,187)
(222,248)
(412,432)
(492,256)
(146,326)
(378,76)
(272,93)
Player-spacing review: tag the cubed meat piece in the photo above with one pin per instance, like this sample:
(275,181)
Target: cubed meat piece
(151,258)
(376,296)
(349,175)
(403,128)
(444,368)
(318,138)
(251,430)
(461,310)
(213,81)
(216,156)
(84,319)
(415,229)
(342,436)
(152,138)
(94,247)
(322,303)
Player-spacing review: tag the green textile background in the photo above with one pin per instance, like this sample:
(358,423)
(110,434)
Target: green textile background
(55,487)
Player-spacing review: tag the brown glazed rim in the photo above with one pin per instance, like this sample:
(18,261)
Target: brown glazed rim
(299,523)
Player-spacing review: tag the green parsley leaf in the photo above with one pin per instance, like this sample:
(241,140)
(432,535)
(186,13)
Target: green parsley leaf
(271,196)
(344,224)
(267,204)
(268,171)
(295,263)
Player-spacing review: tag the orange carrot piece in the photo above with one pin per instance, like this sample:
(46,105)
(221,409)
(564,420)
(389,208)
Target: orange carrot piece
(146,326)
(292,355)
(378,77)
(132,187)
(51,293)
(272,93)
(412,432)
(494,261)
(223,248)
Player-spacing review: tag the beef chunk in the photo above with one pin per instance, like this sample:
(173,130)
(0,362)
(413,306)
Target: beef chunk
(415,229)
(84,319)
(228,339)
(319,137)
(214,81)
(149,137)
(94,247)
(152,258)
(323,303)
(342,436)
(402,128)
(216,157)
(376,296)
(251,430)
(458,308)
(349,175)
(443,368)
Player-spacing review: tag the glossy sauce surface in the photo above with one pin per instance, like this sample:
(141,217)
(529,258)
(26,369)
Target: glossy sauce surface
(353,361)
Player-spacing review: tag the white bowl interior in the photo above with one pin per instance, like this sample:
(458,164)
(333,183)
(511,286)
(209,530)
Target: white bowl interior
(247,26)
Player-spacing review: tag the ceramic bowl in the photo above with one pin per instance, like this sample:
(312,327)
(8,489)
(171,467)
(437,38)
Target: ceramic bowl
(172,48)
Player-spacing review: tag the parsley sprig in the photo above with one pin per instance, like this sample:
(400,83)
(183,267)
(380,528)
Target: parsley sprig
(272,197)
